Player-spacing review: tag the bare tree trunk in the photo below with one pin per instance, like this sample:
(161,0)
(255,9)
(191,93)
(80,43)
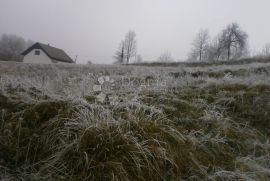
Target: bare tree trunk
(122,55)
(229,53)
(127,59)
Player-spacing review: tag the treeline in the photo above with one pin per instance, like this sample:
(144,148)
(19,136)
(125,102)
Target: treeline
(11,47)
(230,44)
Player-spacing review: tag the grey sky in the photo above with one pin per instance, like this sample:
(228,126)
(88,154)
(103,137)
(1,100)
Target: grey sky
(93,29)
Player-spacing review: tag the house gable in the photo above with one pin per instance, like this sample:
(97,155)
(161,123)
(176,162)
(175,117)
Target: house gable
(55,54)
(34,57)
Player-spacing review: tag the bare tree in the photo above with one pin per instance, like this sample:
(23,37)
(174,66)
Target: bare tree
(200,45)
(11,47)
(127,48)
(165,57)
(130,45)
(234,40)
(120,54)
(215,50)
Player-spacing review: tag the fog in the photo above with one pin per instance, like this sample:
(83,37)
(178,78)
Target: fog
(93,29)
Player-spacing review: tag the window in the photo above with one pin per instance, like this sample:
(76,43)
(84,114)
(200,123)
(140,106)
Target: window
(37,52)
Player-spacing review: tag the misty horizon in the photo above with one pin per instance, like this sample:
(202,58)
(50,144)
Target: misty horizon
(92,30)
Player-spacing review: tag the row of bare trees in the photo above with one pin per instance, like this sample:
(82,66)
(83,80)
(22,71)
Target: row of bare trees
(11,47)
(230,43)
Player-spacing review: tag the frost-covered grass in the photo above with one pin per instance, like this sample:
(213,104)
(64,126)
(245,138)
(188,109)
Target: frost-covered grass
(220,68)
(170,123)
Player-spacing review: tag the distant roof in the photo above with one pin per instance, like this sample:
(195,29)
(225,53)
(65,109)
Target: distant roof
(52,52)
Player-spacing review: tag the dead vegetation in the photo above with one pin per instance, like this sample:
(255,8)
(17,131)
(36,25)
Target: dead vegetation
(196,128)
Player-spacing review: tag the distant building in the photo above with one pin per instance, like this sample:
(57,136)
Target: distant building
(45,54)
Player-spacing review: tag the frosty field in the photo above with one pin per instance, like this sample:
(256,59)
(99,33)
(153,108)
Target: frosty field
(97,122)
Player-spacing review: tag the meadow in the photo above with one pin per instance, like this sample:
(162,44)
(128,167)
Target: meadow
(138,122)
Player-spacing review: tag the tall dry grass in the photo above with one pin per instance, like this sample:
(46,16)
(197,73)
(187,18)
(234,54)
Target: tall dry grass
(203,125)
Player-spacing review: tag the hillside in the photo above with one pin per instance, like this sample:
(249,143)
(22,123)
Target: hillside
(98,122)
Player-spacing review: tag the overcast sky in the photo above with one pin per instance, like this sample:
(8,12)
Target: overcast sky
(93,29)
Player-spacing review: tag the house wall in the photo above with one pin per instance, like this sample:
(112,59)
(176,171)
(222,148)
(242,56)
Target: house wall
(32,58)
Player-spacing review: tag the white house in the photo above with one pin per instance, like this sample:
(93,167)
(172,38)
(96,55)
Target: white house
(45,54)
